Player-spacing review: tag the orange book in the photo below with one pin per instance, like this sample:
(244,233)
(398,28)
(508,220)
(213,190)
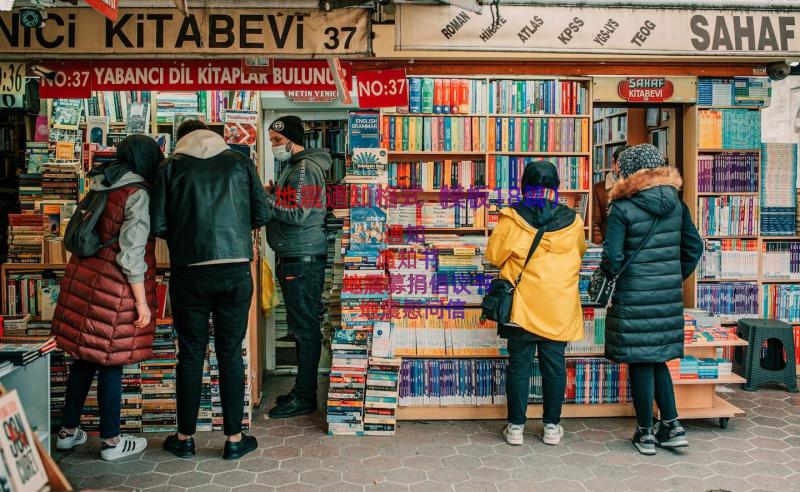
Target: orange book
(446,96)
(476,133)
(385,132)
(491,165)
(585,135)
(455,96)
(491,138)
(466,106)
(448,173)
(437,95)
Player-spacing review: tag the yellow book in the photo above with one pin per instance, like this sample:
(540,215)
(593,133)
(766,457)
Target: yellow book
(491,138)
(412,133)
(504,130)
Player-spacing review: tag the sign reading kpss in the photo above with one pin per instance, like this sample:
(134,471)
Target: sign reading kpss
(382,88)
(160,31)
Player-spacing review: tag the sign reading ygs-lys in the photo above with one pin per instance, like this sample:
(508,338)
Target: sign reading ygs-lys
(161,31)
(598,30)
(645,89)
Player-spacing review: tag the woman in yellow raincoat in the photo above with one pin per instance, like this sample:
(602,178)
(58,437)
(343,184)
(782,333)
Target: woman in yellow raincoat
(546,311)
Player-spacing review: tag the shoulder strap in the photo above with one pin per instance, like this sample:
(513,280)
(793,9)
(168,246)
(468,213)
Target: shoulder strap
(641,245)
(534,245)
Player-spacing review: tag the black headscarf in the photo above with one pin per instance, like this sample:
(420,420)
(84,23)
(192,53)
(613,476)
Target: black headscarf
(537,212)
(141,155)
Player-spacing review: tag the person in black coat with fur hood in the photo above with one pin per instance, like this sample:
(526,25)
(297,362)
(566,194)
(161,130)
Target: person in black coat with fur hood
(644,325)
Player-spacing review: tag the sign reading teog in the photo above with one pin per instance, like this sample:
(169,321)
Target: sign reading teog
(645,89)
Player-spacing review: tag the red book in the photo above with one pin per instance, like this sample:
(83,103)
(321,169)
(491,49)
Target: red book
(437,95)
(464,99)
(455,95)
(446,95)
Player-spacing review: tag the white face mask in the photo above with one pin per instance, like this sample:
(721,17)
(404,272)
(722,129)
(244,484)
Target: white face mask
(282,152)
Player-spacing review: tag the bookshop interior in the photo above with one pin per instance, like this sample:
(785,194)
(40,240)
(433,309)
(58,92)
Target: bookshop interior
(413,195)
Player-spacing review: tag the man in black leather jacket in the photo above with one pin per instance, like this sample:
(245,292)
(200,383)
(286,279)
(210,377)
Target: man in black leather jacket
(207,201)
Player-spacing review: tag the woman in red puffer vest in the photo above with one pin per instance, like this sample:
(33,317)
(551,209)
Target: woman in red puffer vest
(104,317)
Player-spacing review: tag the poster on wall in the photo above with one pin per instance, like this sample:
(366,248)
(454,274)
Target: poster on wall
(560,29)
(241,127)
(25,468)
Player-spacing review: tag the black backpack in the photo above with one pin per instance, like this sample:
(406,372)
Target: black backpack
(81,237)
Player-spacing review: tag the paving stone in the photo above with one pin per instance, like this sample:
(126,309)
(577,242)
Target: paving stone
(686,484)
(133,467)
(429,486)
(538,460)
(605,484)
(173,467)
(767,443)
(387,487)
(424,463)
(253,487)
(564,485)
(320,452)
(490,475)
(405,476)
(320,477)
(501,462)
(190,479)
(362,476)
(766,468)
(505,449)
(165,488)
(610,471)
(476,450)
(382,463)
(580,460)
(276,478)
(145,480)
(462,462)
(448,475)
(532,475)
(725,483)
(690,470)
(298,487)
(281,453)
(401,451)
(341,487)
(732,470)
(217,466)
(234,478)
(651,471)
(300,464)
(475,487)
(103,481)
(258,465)
(569,472)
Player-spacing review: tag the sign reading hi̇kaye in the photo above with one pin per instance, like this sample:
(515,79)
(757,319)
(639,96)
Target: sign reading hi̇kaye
(598,30)
(159,31)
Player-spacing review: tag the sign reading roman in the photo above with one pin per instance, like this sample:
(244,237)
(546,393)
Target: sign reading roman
(645,89)
(160,31)
(599,30)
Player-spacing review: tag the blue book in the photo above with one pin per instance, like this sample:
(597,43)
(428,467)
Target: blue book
(415,95)
(392,132)
(448,134)
(364,130)
(427,133)
(498,134)
(511,132)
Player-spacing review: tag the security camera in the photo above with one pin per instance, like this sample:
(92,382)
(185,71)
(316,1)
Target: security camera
(778,71)
(32,18)
(43,72)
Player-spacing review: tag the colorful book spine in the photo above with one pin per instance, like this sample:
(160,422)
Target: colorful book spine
(781,301)
(728,172)
(434,133)
(545,135)
(728,215)
(729,299)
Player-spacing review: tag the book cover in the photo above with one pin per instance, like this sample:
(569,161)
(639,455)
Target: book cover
(363,130)
(367,229)
(42,129)
(25,467)
(241,127)
(369,162)
(382,339)
(97,129)
(49,300)
(138,118)
(67,113)
(163,140)
(115,138)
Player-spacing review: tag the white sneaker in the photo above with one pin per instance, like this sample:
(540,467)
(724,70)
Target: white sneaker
(552,434)
(127,446)
(69,441)
(513,434)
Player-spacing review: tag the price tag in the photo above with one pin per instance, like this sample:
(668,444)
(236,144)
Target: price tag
(12,77)
(382,88)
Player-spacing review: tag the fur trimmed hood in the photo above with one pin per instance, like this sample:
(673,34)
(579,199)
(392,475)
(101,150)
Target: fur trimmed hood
(644,180)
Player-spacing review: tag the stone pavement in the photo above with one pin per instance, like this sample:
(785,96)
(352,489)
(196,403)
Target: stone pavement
(758,452)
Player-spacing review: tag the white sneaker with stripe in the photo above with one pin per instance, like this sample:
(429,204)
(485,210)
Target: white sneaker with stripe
(127,446)
(65,440)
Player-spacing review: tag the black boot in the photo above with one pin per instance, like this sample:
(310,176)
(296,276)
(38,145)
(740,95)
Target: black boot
(293,407)
(671,434)
(235,450)
(181,449)
(645,440)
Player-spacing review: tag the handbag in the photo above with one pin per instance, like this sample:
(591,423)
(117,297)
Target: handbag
(496,304)
(601,287)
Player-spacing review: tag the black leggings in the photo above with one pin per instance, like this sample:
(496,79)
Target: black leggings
(652,381)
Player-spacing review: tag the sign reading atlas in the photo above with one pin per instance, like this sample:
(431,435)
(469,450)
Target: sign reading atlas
(645,89)
(598,30)
(204,31)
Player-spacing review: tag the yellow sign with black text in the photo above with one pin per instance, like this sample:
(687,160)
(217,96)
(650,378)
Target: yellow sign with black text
(165,31)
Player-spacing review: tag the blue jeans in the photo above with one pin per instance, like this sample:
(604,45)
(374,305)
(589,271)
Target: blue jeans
(109,395)
(518,378)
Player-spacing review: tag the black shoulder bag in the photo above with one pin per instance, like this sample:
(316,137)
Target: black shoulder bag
(601,288)
(496,304)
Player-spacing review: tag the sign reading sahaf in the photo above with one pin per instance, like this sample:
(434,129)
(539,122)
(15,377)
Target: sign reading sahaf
(645,89)
(79,79)
(382,88)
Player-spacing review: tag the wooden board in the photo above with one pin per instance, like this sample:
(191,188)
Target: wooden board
(731,379)
(720,409)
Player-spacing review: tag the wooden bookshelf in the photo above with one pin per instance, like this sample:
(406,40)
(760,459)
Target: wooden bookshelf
(499,412)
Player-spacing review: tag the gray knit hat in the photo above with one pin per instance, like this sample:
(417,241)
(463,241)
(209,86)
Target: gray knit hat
(638,157)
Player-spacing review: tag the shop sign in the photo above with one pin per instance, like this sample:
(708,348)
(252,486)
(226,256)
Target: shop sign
(382,88)
(12,101)
(109,8)
(213,31)
(12,77)
(528,28)
(645,89)
(309,96)
(78,79)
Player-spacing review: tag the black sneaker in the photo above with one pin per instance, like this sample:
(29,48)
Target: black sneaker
(671,434)
(181,449)
(293,407)
(235,450)
(645,440)
(284,399)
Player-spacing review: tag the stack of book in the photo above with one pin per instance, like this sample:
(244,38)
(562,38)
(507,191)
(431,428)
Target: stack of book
(538,97)
(590,380)
(350,347)
(131,408)
(442,96)
(30,192)
(168,104)
(58,385)
(691,367)
(728,171)
(689,327)
(778,189)
(781,260)
(506,172)
(538,134)
(728,215)
(60,181)
(434,133)
(589,265)
(24,353)
(25,235)
(210,397)
(382,395)
(594,333)
(459,274)
(729,259)
(730,129)
(452,382)
(729,299)
(16,325)
(159,411)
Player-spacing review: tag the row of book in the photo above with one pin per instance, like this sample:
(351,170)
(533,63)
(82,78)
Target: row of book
(32,293)
(590,381)
(781,260)
(730,129)
(566,97)
(727,172)
(505,172)
(443,96)
(610,130)
(382,395)
(781,301)
(589,264)
(449,382)
(729,299)
(26,234)
(594,333)
(433,133)
(116,105)
(691,367)
(736,91)
(211,104)
(451,336)
(778,189)
(728,215)
(538,134)
(432,215)
(729,259)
